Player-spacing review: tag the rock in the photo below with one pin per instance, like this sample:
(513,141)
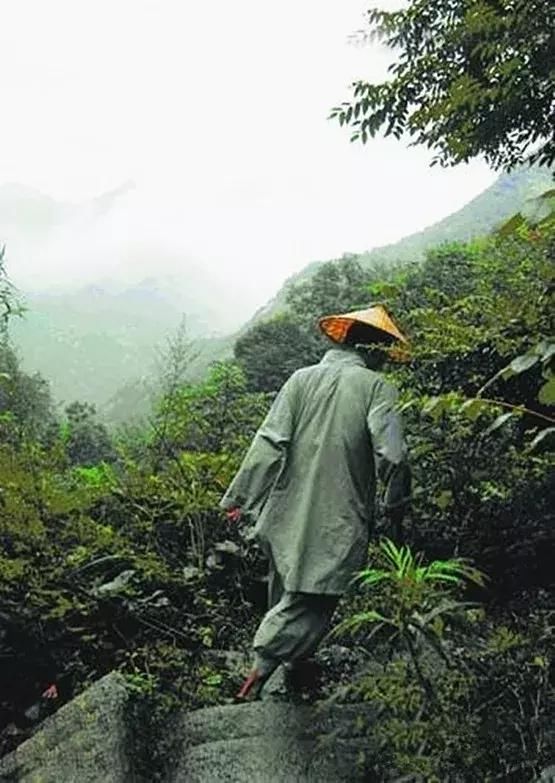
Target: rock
(273,742)
(85,741)
(99,738)
(548,775)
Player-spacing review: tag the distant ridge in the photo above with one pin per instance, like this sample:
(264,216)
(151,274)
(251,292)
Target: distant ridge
(96,343)
(479,217)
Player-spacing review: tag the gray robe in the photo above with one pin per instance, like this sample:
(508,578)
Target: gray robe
(308,480)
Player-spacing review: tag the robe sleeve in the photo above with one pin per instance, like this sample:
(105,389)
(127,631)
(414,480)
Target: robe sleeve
(261,466)
(388,442)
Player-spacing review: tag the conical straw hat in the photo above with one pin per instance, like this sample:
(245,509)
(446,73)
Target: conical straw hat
(337,327)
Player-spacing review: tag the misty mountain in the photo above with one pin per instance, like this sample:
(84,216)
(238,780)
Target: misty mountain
(97,340)
(506,196)
(112,242)
(99,300)
(27,214)
(490,209)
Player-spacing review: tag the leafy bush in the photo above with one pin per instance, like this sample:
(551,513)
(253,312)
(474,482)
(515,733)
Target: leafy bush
(114,553)
(127,565)
(459,697)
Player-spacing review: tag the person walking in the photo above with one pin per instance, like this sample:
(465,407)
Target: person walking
(309,479)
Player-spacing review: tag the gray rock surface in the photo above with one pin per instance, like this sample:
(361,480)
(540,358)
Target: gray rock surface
(93,740)
(273,742)
(548,775)
(86,741)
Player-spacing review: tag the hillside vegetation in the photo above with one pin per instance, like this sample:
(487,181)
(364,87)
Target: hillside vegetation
(508,194)
(115,555)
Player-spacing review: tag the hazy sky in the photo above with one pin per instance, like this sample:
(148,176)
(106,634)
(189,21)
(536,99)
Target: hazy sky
(217,112)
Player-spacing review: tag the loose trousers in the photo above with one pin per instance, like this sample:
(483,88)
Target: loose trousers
(293,627)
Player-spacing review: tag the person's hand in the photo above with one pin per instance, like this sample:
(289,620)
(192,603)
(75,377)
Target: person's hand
(233,514)
(51,692)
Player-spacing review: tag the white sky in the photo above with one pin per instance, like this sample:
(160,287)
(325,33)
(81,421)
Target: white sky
(217,111)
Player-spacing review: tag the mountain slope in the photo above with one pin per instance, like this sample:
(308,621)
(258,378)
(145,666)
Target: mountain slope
(97,341)
(480,216)
(91,341)
(483,214)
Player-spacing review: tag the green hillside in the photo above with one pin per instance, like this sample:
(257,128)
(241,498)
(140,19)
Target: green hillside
(90,342)
(501,200)
(491,208)
(99,344)
(480,216)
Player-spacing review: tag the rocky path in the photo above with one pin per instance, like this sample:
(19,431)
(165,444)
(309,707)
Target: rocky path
(91,740)
(94,739)
(272,742)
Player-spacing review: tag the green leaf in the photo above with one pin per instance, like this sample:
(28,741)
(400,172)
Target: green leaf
(444,499)
(213,679)
(473,408)
(549,432)
(519,365)
(443,577)
(435,407)
(119,585)
(545,350)
(547,392)
(360,619)
(372,577)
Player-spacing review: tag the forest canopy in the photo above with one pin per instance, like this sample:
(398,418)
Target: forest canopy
(469,78)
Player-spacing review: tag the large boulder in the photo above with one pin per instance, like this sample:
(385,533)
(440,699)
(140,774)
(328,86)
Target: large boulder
(96,739)
(273,742)
(87,741)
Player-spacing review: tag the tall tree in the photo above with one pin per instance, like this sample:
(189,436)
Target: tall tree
(26,405)
(87,439)
(471,77)
(270,351)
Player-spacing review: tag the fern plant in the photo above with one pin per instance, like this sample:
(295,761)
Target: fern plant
(417,601)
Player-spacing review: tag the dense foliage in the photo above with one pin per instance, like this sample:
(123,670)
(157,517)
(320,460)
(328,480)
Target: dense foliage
(470,77)
(459,697)
(114,553)
(477,397)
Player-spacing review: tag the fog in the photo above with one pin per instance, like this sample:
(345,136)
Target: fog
(209,121)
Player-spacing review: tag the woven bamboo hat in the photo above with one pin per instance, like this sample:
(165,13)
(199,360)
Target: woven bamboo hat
(367,326)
